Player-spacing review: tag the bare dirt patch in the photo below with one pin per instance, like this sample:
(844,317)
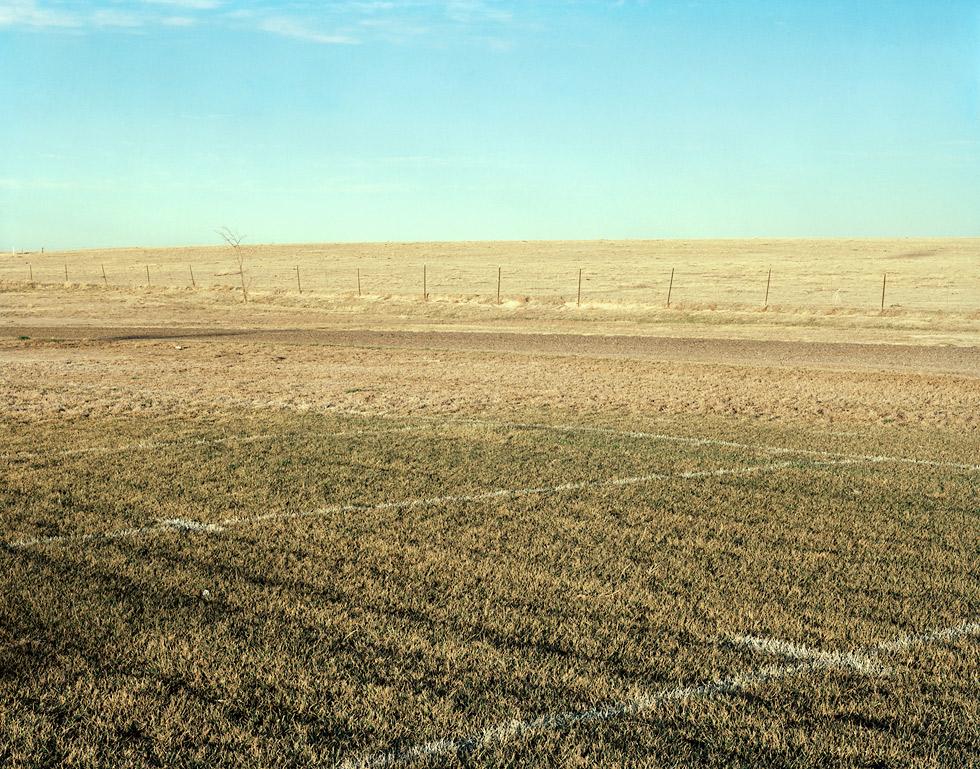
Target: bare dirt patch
(405,373)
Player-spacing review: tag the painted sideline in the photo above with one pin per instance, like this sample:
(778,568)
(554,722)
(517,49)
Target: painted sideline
(243,439)
(812,660)
(516,728)
(506,493)
(188,525)
(931,636)
(862,663)
(638,434)
(695,441)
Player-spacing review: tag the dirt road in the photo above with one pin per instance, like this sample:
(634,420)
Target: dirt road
(769,353)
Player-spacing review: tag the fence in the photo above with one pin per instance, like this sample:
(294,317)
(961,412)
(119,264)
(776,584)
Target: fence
(685,285)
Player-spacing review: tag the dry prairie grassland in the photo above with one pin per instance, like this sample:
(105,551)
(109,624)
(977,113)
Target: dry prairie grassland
(292,535)
(928,274)
(933,285)
(55,310)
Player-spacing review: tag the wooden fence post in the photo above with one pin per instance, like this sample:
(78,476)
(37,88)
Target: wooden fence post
(66,272)
(884,278)
(358,281)
(193,282)
(425,291)
(105,280)
(299,286)
(147,275)
(578,302)
(768,279)
(670,288)
(30,272)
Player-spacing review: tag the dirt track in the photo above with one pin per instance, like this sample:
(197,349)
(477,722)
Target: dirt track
(130,370)
(768,353)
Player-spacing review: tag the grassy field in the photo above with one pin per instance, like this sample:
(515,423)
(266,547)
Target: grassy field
(270,588)
(924,275)
(340,531)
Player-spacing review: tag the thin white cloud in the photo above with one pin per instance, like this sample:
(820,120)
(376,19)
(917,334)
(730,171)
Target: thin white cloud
(341,22)
(191,5)
(289,27)
(397,30)
(32,14)
(476,11)
(54,185)
(114,18)
(27,13)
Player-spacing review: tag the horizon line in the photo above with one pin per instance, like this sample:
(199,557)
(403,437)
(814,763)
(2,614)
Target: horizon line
(245,242)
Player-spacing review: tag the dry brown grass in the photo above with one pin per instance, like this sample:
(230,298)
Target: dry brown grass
(836,275)
(290,641)
(354,587)
(59,307)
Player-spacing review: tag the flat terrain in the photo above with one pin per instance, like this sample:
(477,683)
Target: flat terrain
(387,532)
(924,274)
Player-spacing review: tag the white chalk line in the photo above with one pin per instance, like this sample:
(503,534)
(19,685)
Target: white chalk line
(698,441)
(504,493)
(187,525)
(237,439)
(811,660)
(162,525)
(135,446)
(666,437)
(862,663)
(516,728)
(923,639)
(689,440)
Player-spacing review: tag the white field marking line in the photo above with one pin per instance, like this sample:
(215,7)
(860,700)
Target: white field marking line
(516,728)
(187,524)
(929,637)
(176,441)
(510,730)
(165,525)
(142,445)
(505,493)
(862,663)
(694,441)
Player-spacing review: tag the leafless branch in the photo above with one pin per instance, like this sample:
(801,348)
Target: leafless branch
(234,239)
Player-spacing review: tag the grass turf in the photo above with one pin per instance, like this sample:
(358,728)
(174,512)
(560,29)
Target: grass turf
(365,630)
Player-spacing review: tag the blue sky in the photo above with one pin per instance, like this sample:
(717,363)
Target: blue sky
(153,122)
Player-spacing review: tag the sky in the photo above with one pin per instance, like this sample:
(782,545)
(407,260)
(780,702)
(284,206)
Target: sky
(155,122)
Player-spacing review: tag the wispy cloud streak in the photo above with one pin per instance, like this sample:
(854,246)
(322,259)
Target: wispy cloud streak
(285,26)
(338,23)
(27,13)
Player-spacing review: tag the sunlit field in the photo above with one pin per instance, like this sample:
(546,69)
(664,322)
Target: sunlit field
(477,384)
(919,275)
(349,531)
(276,589)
